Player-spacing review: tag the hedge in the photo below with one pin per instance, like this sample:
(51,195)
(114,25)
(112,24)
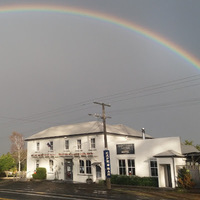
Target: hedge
(134,180)
(40,173)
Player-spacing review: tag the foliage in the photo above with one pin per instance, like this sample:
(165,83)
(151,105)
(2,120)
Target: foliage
(7,162)
(40,173)
(134,180)
(184,179)
(18,149)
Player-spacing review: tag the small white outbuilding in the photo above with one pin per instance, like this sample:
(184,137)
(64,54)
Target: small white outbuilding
(75,152)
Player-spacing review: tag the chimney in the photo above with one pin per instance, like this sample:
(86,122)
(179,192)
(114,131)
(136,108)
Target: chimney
(143,133)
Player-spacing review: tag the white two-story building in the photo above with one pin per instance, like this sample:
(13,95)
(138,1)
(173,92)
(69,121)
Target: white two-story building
(75,152)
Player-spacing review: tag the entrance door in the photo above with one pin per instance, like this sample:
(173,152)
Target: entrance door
(68,169)
(168,179)
(98,172)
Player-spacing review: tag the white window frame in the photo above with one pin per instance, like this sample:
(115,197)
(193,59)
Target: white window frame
(131,167)
(92,143)
(124,168)
(81,166)
(79,145)
(37,146)
(51,165)
(88,165)
(85,167)
(37,164)
(66,145)
(153,168)
(51,145)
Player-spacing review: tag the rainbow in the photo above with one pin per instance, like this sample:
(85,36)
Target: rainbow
(108,19)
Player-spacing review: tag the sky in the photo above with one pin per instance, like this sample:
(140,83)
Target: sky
(53,66)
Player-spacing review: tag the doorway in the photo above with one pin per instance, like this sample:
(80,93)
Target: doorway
(98,172)
(168,179)
(68,169)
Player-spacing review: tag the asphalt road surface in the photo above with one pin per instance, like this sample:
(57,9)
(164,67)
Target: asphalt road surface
(51,190)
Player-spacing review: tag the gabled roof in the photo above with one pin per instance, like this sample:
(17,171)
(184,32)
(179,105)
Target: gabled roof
(188,149)
(86,128)
(169,153)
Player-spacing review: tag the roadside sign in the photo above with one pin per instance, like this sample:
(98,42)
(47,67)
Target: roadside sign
(107,163)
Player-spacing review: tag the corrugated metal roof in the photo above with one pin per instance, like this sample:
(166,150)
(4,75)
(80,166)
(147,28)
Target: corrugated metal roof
(169,153)
(188,149)
(86,128)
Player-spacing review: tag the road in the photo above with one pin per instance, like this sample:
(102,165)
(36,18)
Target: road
(51,190)
(21,194)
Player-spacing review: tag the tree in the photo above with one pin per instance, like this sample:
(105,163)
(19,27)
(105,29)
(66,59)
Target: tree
(7,162)
(18,148)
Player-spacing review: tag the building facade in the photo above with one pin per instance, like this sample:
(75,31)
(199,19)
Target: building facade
(75,152)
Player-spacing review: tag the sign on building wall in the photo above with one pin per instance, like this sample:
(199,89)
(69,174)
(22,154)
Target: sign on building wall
(107,163)
(125,149)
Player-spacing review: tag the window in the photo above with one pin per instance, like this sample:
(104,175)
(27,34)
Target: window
(37,146)
(122,167)
(51,165)
(92,143)
(67,144)
(50,145)
(81,164)
(153,168)
(88,167)
(78,144)
(131,167)
(37,163)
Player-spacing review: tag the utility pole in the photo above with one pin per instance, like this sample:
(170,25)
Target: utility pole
(106,151)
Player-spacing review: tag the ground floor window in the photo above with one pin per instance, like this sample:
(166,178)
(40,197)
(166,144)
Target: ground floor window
(88,167)
(37,163)
(51,165)
(127,167)
(122,167)
(81,168)
(85,167)
(131,167)
(153,168)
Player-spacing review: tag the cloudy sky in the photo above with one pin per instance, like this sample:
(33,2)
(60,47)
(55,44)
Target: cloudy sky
(54,65)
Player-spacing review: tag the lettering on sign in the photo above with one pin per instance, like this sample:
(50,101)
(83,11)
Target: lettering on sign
(125,149)
(107,163)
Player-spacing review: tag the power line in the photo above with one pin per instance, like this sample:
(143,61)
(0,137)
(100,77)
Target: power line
(141,92)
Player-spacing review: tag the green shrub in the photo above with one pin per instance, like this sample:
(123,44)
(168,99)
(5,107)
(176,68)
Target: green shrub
(134,180)
(40,173)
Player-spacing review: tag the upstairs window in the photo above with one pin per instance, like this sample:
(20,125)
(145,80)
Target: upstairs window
(79,144)
(37,146)
(66,144)
(92,143)
(153,168)
(50,145)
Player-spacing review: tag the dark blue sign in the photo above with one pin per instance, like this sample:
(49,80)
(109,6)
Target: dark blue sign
(107,163)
